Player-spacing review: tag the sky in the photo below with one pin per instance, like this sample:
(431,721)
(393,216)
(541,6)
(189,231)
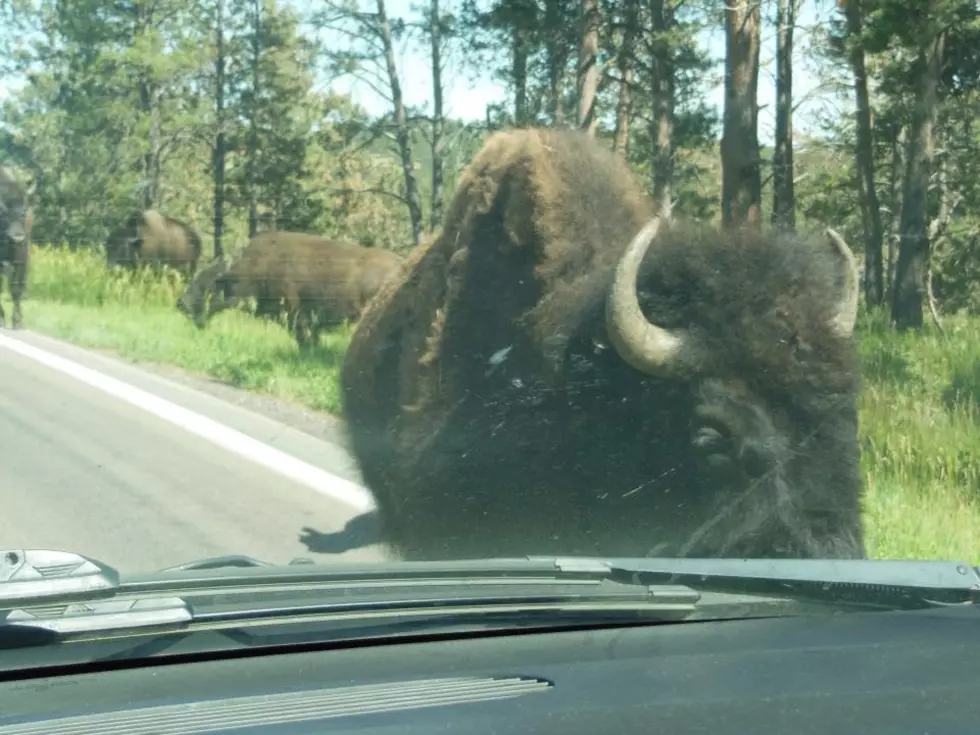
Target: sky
(468,99)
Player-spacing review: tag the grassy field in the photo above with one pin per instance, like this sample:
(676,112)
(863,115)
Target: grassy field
(920,411)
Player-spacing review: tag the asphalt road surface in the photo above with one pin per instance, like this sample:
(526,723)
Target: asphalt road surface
(141,471)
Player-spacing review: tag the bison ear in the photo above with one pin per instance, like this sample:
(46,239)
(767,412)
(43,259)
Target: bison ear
(846,314)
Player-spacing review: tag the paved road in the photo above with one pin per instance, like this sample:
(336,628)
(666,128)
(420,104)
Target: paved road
(139,484)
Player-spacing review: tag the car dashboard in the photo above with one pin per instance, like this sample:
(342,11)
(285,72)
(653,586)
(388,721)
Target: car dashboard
(864,672)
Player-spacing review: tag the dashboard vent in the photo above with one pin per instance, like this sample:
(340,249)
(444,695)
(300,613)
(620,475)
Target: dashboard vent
(214,716)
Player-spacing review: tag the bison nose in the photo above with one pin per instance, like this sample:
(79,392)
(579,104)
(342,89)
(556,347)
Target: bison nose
(712,430)
(756,458)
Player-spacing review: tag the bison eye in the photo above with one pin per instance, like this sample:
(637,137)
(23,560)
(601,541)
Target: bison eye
(795,343)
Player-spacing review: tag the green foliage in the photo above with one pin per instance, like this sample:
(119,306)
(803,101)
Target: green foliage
(118,116)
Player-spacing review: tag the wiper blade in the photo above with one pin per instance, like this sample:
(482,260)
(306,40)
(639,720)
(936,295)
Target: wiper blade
(231,560)
(888,584)
(107,615)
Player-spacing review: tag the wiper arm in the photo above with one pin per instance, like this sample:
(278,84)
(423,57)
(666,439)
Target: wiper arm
(39,576)
(887,584)
(62,592)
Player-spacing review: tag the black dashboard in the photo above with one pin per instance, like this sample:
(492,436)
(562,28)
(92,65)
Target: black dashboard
(882,672)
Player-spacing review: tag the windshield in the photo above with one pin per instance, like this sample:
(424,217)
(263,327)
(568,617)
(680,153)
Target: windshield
(379,280)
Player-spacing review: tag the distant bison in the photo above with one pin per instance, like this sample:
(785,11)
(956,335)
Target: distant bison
(556,373)
(314,281)
(16,219)
(149,238)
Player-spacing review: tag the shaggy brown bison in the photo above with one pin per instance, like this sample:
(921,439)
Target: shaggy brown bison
(16,219)
(149,238)
(313,281)
(555,373)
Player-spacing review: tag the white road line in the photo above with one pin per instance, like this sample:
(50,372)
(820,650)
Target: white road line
(245,446)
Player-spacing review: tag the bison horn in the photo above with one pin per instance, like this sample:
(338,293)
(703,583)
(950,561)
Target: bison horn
(846,316)
(643,345)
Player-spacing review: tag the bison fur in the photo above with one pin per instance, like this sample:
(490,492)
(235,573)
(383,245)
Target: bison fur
(315,282)
(555,372)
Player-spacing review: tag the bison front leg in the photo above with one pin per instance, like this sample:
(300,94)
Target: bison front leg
(307,330)
(18,284)
(301,329)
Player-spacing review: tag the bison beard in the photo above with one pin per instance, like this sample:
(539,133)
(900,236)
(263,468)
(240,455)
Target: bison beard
(493,413)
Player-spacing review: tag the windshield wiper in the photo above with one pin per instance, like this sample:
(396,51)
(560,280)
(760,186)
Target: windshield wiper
(66,593)
(886,584)
(62,592)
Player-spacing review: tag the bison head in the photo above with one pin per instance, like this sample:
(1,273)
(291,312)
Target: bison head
(15,213)
(17,226)
(206,294)
(123,245)
(770,409)
(655,350)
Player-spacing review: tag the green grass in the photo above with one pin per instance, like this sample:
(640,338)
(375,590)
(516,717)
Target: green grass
(74,297)
(920,406)
(920,432)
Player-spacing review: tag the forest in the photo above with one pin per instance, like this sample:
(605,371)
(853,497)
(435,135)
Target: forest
(231,115)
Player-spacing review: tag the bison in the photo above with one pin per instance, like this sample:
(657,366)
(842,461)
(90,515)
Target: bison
(555,372)
(16,219)
(153,239)
(314,281)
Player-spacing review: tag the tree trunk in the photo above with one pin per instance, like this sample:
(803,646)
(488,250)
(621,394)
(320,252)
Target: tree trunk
(150,103)
(937,232)
(519,75)
(218,153)
(149,96)
(401,126)
(624,108)
(662,121)
(741,182)
(435,36)
(557,59)
(252,151)
(783,195)
(588,66)
(899,145)
(914,245)
(874,291)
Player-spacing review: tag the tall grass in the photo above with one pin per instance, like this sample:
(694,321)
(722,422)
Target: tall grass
(920,405)
(920,439)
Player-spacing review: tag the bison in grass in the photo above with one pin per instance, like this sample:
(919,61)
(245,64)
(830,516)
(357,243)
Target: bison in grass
(149,238)
(16,219)
(556,373)
(315,282)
